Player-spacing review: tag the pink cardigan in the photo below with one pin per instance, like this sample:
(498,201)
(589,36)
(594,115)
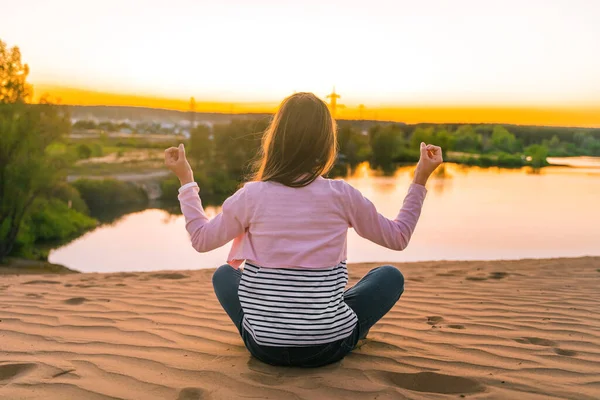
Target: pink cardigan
(276,226)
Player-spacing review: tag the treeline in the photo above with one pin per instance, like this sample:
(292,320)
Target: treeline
(222,155)
(385,145)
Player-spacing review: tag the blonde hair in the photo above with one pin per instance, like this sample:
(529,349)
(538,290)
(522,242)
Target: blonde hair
(300,144)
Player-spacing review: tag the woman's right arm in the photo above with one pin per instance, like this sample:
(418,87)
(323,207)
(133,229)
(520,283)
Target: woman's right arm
(206,234)
(394,234)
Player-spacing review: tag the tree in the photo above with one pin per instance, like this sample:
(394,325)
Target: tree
(468,140)
(27,169)
(202,146)
(387,143)
(421,134)
(236,145)
(538,154)
(353,144)
(84,151)
(587,143)
(443,139)
(13,76)
(504,141)
(84,124)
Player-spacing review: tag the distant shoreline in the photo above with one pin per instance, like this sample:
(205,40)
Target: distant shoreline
(21,266)
(145,112)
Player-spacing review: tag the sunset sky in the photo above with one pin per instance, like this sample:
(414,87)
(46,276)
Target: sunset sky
(246,55)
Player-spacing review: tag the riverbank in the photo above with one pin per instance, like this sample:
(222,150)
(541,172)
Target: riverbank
(22,266)
(526,329)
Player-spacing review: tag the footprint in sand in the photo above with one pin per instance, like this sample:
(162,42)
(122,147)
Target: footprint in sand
(456,326)
(9,371)
(431,382)
(34,295)
(536,341)
(498,275)
(41,282)
(434,319)
(451,273)
(476,278)
(169,276)
(75,301)
(562,352)
(373,344)
(191,393)
(121,275)
(65,372)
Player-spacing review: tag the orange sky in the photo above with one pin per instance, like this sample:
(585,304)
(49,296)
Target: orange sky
(557,116)
(533,61)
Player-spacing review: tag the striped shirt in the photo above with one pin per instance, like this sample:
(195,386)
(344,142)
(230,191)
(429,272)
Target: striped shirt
(295,306)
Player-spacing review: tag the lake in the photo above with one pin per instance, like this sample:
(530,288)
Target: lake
(470,213)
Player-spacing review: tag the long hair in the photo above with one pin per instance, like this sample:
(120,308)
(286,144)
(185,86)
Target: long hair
(300,144)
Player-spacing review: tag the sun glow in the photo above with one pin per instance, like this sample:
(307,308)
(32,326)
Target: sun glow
(438,61)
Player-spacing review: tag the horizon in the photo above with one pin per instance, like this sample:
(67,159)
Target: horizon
(506,62)
(435,114)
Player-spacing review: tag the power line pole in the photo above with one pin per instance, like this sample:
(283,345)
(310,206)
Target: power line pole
(192,113)
(333,96)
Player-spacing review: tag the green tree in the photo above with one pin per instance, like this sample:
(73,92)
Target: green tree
(387,143)
(27,169)
(503,140)
(443,138)
(468,140)
(236,145)
(13,76)
(554,143)
(84,151)
(202,146)
(84,125)
(538,154)
(587,143)
(421,134)
(353,144)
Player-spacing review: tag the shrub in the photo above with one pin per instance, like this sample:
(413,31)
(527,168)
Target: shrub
(486,161)
(65,192)
(49,220)
(99,194)
(538,155)
(169,188)
(510,160)
(83,151)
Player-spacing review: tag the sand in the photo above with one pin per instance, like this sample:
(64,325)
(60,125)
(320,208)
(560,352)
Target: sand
(526,329)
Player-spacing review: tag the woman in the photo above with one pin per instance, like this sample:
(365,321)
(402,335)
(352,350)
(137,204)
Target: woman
(289,228)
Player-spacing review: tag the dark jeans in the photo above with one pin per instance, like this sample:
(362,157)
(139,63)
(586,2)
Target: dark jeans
(371,298)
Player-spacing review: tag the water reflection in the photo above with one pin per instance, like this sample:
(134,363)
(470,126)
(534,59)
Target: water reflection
(470,213)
